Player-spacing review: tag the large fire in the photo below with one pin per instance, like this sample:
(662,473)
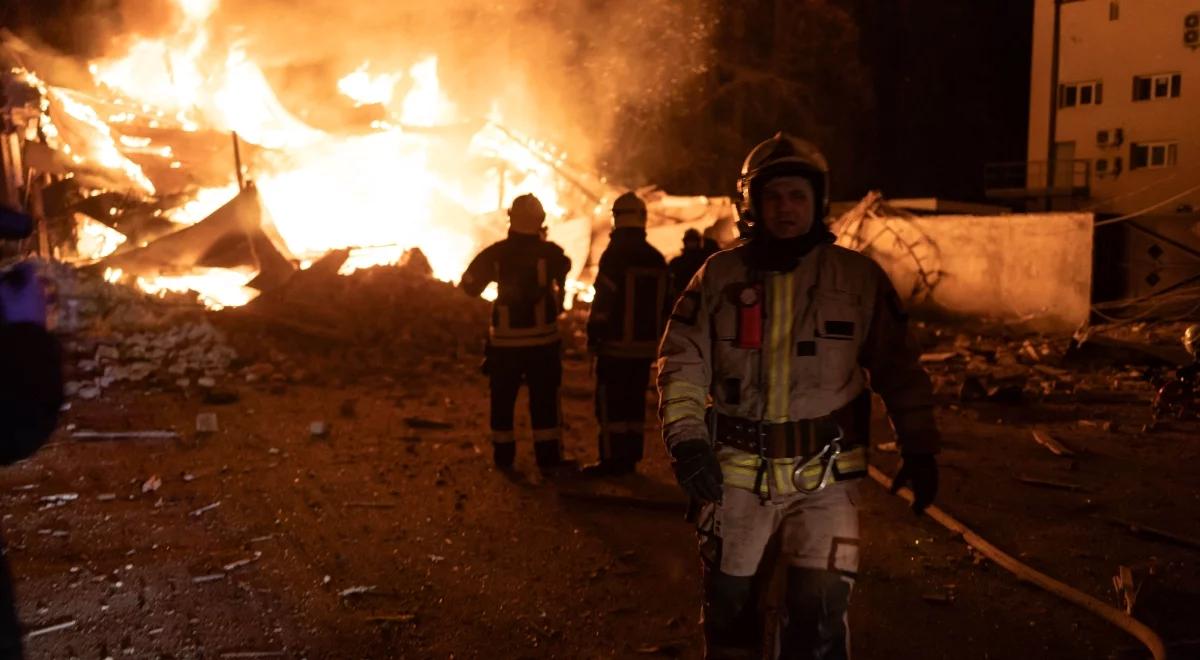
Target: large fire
(403,183)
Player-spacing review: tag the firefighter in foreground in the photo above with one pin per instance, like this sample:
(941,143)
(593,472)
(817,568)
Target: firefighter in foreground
(523,340)
(784,334)
(623,329)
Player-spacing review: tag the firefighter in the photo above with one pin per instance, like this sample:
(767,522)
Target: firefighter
(623,329)
(696,250)
(523,339)
(780,334)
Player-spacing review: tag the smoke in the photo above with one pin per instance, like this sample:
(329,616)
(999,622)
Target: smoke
(561,70)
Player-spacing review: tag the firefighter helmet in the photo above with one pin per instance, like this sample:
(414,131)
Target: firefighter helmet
(629,211)
(1191,340)
(526,215)
(782,155)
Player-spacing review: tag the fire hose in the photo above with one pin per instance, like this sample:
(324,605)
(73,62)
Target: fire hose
(1120,619)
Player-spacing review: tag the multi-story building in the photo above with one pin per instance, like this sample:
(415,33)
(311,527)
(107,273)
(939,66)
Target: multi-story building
(1114,128)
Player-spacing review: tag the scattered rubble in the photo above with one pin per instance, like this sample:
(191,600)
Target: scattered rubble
(206,422)
(1043,438)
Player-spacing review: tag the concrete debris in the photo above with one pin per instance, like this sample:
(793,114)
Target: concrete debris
(242,562)
(212,577)
(38,632)
(1043,438)
(206,423)
(354,591)
(1127,591)
(176,355)
(318,429)
(202,510)
(152,484)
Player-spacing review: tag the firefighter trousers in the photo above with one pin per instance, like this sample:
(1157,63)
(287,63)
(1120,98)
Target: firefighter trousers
(539,367)
(621,408)
(778,574)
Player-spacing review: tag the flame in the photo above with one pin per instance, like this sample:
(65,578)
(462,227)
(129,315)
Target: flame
(367,89)
(426,105)
(217,288)
(96,239)
(202,204)
(379,194)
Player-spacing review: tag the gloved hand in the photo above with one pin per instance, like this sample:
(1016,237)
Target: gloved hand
(22,299)
(921,471)
(697,470)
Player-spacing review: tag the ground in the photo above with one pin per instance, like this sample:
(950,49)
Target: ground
(393,537)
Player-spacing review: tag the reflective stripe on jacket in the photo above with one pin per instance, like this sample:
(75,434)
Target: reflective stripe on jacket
(531,280)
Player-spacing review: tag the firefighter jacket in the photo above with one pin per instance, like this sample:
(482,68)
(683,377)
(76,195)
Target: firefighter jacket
(777,347)
(530,274)
(630,308)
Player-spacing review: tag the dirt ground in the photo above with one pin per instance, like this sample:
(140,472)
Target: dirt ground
(393,537)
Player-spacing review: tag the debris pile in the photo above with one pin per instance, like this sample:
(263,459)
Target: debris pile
(176,356)
(382,318)
(997,368)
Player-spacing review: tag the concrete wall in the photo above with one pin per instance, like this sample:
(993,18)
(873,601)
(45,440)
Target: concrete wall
(1034,270)
(1146,38)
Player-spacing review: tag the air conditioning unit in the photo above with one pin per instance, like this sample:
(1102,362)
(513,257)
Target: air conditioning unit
(1191,30)
(1117,165)
(1118,136)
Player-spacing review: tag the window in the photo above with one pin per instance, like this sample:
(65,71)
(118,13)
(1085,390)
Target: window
(1114,10)
(1153,154)
(1080,93)
(1156,86)
(1101,166)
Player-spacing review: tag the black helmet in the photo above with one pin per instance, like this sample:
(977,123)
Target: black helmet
(782,155)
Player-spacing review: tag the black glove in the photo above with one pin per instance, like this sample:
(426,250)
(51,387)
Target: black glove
(697,470)
(921,471)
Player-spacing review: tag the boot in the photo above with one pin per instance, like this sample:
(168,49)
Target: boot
(503,454)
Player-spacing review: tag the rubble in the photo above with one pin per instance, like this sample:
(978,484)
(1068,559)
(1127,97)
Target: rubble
(50,629)
(1043,438)
(206,423)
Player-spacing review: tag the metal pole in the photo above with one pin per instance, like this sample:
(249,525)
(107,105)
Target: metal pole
(237,161)
(1053,128)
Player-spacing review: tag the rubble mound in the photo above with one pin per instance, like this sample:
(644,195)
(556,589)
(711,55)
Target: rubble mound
(84,302)
(384,318)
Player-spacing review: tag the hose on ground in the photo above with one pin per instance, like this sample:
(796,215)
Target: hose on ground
(1120,619)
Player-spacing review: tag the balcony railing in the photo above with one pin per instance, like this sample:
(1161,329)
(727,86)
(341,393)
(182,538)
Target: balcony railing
(1028,179)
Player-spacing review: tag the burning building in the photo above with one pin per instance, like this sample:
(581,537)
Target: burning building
(174,165)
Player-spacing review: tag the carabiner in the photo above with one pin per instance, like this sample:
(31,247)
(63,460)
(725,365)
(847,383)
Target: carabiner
(826,457)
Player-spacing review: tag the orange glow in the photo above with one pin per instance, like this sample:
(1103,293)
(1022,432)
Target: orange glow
(379,194)
(96,239)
